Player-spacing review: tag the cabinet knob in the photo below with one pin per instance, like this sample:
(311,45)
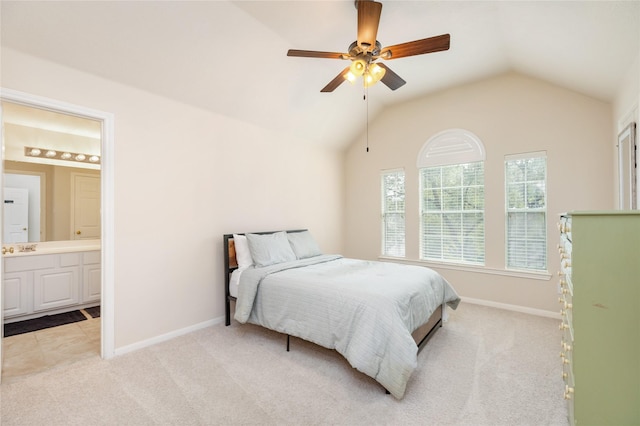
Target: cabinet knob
(78,232)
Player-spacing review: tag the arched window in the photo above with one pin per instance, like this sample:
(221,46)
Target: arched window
(451,166)
(453,146)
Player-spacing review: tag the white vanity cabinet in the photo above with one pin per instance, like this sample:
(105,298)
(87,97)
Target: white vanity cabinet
(91,276)
(56,285)
(50,283)
(16,294)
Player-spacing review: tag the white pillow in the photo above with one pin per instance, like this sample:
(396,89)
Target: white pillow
(303,244)
(269,249)
(243,255)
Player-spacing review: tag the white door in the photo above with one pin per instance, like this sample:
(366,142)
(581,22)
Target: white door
(86,207)
(16,215)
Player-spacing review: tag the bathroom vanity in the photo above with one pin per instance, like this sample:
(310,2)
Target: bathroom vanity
(56,277)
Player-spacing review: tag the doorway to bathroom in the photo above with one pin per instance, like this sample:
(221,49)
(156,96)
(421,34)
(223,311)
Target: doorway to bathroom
(73,244)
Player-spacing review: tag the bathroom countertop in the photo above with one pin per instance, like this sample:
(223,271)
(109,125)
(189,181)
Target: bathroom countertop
(53,247)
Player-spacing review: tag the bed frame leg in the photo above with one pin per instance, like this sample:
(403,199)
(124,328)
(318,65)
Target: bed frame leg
(288,342)
(227,313)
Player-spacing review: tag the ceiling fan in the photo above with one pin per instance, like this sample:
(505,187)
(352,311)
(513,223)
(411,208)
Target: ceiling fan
(366,50)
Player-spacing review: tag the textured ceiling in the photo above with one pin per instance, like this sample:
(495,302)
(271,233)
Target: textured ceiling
(230,57)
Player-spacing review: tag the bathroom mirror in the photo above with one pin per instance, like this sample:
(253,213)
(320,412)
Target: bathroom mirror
(627,168)
(51,175)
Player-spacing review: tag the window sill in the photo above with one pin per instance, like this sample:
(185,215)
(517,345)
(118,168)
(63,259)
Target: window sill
(543,276)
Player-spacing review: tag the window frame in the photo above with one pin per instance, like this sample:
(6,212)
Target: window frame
(446,148)
(465,240)
(525,210)
(384,214)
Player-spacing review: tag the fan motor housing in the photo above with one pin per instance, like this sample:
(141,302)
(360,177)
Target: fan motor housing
(356,52)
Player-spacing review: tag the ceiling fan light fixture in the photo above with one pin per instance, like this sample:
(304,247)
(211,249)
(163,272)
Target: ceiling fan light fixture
(350,77)
(358,67)
(373,75)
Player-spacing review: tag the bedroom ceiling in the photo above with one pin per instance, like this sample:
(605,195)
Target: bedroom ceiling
(230,57)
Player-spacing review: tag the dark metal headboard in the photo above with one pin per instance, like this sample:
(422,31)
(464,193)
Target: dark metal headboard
(231,264)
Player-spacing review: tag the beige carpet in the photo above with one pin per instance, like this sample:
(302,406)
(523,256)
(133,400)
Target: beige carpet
(484,367)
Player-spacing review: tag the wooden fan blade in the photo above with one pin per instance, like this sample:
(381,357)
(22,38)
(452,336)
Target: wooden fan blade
(315,54)
(391,79)
(337,81)
(368,20)
(418,47)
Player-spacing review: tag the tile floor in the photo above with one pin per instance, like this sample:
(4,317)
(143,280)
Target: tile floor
(30,353)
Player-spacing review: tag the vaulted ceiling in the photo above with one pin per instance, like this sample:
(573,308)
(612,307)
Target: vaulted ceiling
(230,56)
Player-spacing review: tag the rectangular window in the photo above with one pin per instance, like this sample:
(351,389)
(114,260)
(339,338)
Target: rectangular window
(452,213)
(526,211)
(393,213)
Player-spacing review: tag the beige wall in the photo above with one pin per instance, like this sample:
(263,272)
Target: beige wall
(510,114)
(184,177)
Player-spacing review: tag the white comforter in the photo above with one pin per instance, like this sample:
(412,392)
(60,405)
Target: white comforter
(365,310)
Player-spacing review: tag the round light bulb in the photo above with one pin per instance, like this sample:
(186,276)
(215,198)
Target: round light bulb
(51,153)
(35,152)
(65,156)
(80,157)
(94,158)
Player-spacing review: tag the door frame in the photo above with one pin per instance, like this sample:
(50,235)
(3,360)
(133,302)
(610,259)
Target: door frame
(107,334)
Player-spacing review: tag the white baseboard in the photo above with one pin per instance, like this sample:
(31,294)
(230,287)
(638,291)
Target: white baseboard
(516,308)
(167,336)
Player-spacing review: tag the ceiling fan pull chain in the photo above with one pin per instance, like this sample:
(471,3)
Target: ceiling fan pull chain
(365,97)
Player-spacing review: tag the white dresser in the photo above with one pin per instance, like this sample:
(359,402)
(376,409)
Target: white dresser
(600,305)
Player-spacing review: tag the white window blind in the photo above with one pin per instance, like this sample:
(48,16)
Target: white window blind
(526,211)
(393,227)
(452,213)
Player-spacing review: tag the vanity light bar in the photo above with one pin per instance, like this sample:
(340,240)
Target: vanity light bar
(30,151)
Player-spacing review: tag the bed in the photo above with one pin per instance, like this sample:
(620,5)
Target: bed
(375,314)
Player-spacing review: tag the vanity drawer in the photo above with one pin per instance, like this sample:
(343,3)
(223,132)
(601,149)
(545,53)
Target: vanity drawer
(29,263)
(91,257)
